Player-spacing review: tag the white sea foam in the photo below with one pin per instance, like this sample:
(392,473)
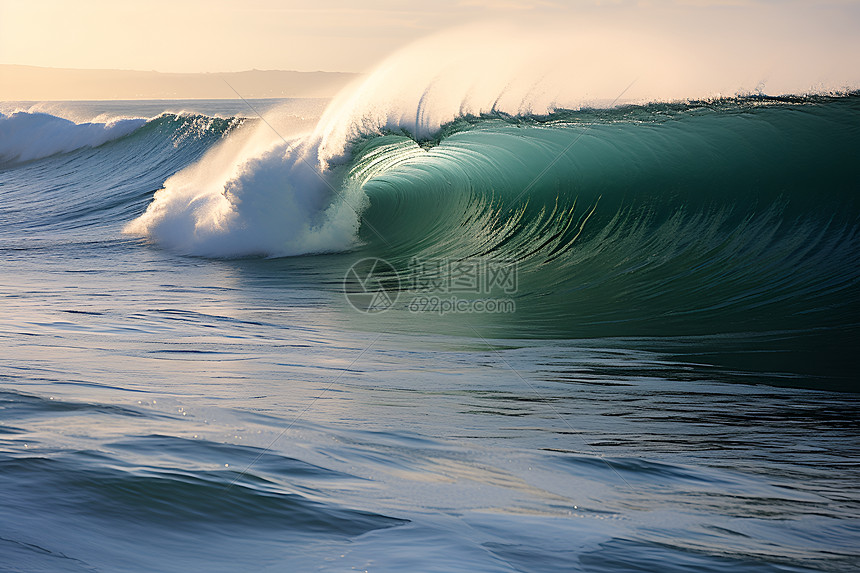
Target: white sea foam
(26,136)
(253,194)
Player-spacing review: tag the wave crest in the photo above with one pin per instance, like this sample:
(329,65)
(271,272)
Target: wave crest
(293,198)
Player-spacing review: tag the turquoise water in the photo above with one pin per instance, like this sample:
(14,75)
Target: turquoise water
(672,389)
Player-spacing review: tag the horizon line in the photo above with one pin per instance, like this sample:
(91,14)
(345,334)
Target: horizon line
(179,73)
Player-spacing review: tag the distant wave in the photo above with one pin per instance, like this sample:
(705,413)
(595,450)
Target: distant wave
(27,136)
(107,185)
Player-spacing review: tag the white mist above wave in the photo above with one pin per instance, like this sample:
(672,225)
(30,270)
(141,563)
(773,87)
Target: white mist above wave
(261,196)
(27,136)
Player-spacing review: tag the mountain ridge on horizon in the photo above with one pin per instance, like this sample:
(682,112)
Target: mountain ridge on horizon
(20,82)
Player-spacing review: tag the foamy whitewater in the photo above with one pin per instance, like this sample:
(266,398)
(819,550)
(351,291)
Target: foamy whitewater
(664,377)
(27,136)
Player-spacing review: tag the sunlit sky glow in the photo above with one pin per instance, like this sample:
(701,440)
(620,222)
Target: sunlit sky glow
(217,35)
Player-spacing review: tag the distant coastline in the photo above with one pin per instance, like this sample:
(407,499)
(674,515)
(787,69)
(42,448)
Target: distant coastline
(32,83)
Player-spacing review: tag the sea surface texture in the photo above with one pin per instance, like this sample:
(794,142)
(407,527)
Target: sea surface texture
(263,336)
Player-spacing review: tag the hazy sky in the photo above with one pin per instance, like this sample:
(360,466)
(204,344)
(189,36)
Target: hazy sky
(221,35)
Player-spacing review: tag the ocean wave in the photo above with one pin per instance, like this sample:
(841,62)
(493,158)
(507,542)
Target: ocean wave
(296,196)
(690,219)
(738,214)
(27,136)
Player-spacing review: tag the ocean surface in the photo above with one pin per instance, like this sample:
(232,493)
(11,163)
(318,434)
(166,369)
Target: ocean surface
(238,336)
